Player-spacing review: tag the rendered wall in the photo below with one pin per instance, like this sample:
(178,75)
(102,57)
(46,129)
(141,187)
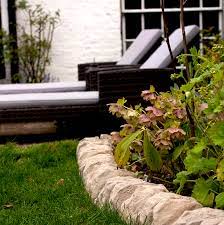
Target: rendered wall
(89,30)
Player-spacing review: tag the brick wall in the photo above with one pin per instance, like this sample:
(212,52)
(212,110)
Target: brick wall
(89,30)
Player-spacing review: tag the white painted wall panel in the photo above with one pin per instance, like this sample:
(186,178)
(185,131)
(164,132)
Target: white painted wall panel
(89,30)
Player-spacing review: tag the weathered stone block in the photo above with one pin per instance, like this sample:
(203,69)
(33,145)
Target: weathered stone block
(199,216)
(135,199)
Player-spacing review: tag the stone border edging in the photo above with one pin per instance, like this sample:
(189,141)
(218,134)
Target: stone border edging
(133,198)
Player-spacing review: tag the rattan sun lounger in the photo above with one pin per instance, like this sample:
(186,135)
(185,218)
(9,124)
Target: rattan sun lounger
(42,87)
(160,59)
(45,106)
(69,114)
(140,47)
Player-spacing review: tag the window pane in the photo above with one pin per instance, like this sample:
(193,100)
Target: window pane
(172,4)
(152,4)
(193,3)
(133,25)
(211,21)
(153,20)
(173,21)
(132,4)
(128,44)
(191,18)
(211,3)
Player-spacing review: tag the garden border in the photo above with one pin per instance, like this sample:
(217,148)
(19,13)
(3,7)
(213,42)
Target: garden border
(135,199)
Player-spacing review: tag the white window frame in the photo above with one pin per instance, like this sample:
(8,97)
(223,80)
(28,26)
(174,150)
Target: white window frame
(144,11)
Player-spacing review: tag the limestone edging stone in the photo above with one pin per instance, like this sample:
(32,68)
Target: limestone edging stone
(135,199)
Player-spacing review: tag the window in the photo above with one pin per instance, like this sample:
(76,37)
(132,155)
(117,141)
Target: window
(143,14)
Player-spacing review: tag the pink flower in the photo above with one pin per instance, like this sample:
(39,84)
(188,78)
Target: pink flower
(162,140)
(144,119)
(202,107)
(114,108)
(176,133)
(180,113)
(148,95)
(163,144)
(116,138)
(153,110)
(154,114)
(127,129)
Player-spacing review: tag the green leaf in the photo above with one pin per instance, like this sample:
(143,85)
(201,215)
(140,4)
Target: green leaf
(122,150)
(199,147)
(195,164)
(202,192)
(152,156)
(219,200)
(22,4)
(121,101)
(216,133)
(177,152)
(220,171)
(152,89)
(134,157)
(181,179)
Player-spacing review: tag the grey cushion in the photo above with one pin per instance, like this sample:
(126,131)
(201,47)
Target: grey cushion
(48,99)
(42,87)
(142,44)
(161,57)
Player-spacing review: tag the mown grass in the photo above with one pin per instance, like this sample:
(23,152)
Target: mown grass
(40,185)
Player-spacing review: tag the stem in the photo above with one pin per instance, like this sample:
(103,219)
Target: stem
(192,124)
(184,37)
(39,42)
(160,179)
(215,152)
(166,33)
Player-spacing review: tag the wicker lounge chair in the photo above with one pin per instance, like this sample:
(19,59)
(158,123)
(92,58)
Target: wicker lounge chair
(136,52)
(84,110)
(70,114)
(42,87)
(129,82)
(32,106)
(160,59)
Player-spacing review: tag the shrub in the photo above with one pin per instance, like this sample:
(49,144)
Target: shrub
(179,136)
(34,43)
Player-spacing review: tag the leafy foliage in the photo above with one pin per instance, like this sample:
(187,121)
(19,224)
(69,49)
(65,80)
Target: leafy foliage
(203,192)
(122,151)
(220,200)
(152,156)
(179,135)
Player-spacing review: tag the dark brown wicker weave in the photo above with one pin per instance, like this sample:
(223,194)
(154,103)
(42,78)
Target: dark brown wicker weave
(82,68)
(92,74)
(84,120)
(129,83)
(88,72)
(45,113)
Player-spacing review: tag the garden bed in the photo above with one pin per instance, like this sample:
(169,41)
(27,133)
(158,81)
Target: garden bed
(135,199)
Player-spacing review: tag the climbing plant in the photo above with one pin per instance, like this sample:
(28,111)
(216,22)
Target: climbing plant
(35,36)
(35,41)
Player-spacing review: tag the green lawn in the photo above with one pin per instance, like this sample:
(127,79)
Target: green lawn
(40,184)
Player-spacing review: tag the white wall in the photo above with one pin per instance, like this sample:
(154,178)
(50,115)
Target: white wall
(89,30)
